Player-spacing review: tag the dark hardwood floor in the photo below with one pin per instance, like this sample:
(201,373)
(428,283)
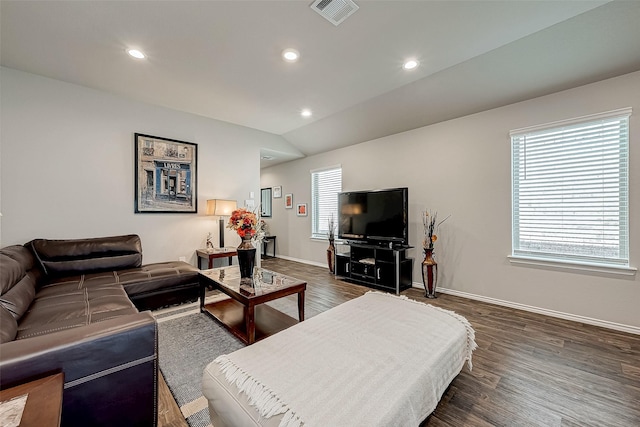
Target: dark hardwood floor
(169,414)
(528,370)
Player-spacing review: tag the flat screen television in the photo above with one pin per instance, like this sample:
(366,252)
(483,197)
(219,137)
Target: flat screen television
(374,217)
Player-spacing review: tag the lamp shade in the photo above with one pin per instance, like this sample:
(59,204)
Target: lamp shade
(219,207)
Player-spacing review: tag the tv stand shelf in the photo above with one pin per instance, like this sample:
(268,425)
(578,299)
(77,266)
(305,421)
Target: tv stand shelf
(378,267)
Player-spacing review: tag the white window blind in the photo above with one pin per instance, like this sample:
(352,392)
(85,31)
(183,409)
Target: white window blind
(325,186)
(570,190)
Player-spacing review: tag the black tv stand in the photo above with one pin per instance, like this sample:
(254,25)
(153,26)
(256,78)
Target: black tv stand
(376,266)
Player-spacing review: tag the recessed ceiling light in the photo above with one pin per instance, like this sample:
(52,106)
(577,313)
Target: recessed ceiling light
(305,113)
(410,64)
(290,55)
(136,53)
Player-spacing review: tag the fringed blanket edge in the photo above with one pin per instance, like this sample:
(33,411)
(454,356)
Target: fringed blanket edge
(266,402)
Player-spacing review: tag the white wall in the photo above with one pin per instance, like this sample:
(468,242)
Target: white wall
(67,166)
(462,167)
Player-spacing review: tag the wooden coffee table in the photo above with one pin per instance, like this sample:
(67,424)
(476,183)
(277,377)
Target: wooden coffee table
(244,314)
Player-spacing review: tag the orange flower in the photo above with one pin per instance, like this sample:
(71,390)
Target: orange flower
(244,222)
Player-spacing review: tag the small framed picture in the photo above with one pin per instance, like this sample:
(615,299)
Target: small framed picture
(302,209)
(288,201)
(277,192)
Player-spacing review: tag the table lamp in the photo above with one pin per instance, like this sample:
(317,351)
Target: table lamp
(221,208)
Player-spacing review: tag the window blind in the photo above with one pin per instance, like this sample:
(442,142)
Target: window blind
(325,186)
(570,190)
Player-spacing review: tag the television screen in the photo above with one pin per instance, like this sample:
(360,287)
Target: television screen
(374,216)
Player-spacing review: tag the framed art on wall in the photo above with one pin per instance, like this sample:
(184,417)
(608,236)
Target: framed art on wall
(277,192)
(165,175)
(288,201)
(302,209)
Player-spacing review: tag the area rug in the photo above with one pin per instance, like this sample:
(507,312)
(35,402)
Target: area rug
(187,341)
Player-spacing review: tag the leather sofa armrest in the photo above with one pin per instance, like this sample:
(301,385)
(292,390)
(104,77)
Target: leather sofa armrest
(84,353)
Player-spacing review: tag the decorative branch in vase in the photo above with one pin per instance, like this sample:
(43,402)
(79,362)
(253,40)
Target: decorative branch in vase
(331,227)
(429,264)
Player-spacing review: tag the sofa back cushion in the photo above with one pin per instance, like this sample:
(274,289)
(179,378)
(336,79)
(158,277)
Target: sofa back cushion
(80,256)
(11,271)
(9,326)
(17,281)
(21,254)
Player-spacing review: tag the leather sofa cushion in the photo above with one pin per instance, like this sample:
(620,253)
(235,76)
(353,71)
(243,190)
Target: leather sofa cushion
(19,297)
(9,326)
(16,285)
(61,306)
(12,272)
(69,257)
(136,281)
(21,254)
(159,276)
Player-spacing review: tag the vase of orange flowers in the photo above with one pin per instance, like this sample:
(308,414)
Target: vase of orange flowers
(246,224)
(429,264)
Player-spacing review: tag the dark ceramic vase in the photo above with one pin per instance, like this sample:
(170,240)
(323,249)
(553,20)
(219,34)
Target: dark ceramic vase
(246,257)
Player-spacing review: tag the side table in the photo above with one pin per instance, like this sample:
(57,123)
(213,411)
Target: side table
(265,240)
(44,400)
(211,254)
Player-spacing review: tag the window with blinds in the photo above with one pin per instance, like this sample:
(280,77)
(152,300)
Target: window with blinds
(570,190)
(325,186)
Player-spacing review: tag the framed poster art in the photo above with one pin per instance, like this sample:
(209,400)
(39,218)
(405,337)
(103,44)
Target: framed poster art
(277,192)
(302,209)
(166,173)
(288,201)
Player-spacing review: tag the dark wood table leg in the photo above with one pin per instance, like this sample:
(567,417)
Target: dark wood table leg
(301,305)
(249,321)
(210,262)
(203,288)
(230,260)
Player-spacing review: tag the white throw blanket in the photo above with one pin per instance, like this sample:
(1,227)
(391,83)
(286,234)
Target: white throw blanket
(377,360)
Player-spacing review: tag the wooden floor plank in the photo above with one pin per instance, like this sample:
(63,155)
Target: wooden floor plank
(529,369)
(169,414)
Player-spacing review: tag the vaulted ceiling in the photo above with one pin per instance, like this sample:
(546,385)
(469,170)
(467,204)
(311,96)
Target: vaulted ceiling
(222,59)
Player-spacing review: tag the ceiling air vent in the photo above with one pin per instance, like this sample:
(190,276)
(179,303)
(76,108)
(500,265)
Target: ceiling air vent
(334,11)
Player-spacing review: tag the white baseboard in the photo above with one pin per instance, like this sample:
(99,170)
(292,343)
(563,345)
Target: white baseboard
(303,261)
(544,311)
(559,314)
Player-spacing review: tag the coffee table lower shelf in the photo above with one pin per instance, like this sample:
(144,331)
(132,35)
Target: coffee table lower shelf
(231,314)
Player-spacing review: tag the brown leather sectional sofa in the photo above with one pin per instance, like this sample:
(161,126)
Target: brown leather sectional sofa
(72,306)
